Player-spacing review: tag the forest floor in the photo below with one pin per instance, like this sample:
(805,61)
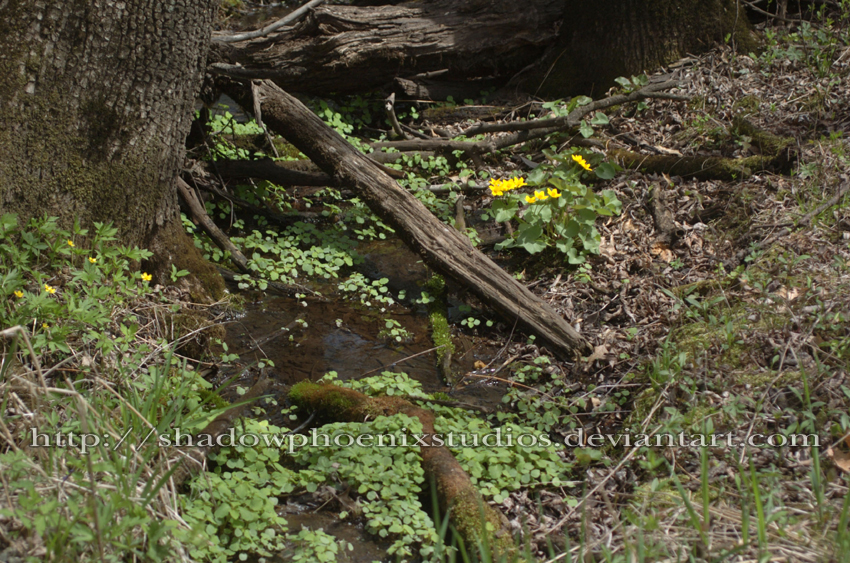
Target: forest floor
(710,422)
(739,329)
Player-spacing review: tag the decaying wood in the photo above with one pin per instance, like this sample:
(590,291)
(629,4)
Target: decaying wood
(347,49)
(468,512)
(425,89)
(443,248)
(199,214)
(285,20)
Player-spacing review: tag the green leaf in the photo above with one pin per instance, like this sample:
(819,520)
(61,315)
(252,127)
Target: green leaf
(585,129)
(504,210)
(606,171)
(599,118)
(528,238)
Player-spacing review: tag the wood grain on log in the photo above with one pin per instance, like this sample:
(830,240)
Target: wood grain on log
(347,49)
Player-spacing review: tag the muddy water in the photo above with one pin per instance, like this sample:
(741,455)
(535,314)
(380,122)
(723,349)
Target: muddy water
(341,335)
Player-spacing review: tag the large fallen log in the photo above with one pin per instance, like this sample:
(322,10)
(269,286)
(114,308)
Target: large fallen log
(348,49)
(474,520)
(442,247)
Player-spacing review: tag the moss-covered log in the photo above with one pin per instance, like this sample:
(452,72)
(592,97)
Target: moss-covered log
(700,167)
(468,512)
(777,154)
(441,332)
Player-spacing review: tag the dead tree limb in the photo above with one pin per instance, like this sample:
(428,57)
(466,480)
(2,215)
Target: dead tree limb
(287,19)
(523,130)
(442,247)
(199,214)
(455,491)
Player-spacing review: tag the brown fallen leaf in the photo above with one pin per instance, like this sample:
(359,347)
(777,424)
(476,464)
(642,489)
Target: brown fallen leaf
(479,364)
(599,353)
(840,458)
(660,249)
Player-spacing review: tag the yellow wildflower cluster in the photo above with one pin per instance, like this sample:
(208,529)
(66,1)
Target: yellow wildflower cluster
(582,162)
(92,260)
(499,187)
(543,196)
(49,289)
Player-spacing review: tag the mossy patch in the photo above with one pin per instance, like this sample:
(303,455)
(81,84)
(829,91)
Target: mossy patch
(441,333)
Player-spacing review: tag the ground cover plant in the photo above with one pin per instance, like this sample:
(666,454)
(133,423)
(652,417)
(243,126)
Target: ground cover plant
(732,326)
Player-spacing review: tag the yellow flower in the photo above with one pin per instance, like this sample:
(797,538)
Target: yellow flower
(540,196)
(71,243)
(50,290)
(553,193)
(45,325)
(19,294)
(499,187)
(530,199)
(146,277)
(92,260)
(581,162)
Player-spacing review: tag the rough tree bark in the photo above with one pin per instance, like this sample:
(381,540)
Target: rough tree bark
(602,40)
(583,45)
(96,100)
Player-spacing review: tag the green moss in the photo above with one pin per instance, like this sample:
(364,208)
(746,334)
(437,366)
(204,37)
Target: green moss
(474,519)
(330,402)
(440,330)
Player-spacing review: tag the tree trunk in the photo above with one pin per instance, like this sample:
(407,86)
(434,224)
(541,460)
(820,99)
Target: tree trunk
(600,41)
(97,99)
(583,45)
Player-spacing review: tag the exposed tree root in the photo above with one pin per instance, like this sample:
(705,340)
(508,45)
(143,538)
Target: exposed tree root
(455,490)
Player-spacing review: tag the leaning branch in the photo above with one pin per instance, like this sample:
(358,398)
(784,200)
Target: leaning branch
(443,248)
(199,214)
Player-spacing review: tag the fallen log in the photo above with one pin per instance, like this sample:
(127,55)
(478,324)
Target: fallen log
(775,154)
(443,248)
(267,169)
(347,49)
(475,520)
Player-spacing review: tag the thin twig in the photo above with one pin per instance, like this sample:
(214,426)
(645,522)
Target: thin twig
(287,19)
